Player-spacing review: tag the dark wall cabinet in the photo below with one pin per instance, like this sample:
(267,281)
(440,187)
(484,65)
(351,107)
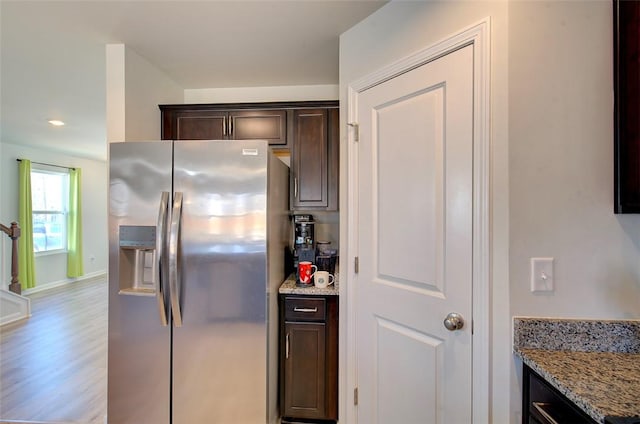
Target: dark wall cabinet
(543,404)
(308,357)
(315,159)
(216,124)
(308,130)
(626,15)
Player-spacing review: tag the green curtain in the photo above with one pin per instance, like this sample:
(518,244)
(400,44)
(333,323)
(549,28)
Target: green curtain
(26,258)
(74,225)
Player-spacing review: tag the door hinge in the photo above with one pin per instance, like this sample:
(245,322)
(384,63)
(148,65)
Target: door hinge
(355,396)
(356,264)
(356,130)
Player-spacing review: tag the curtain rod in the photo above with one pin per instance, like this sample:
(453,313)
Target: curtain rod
(50,164)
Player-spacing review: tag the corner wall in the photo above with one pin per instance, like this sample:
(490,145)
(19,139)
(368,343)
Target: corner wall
(134,89)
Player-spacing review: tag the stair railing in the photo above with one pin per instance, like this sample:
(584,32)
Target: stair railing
(14,234)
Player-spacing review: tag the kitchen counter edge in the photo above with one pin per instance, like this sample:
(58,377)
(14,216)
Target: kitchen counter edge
(588,362)
(289,287)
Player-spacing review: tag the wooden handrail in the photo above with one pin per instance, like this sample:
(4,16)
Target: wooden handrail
(14,234)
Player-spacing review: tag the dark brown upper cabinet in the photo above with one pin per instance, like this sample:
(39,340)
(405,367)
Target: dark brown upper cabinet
(308,130)
(189,122)
(626,24)
(315,160)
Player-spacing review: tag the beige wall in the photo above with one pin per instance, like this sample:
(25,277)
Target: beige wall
(561,161)
(561,165)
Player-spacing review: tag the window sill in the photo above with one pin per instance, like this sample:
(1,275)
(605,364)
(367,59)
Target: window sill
(51,252)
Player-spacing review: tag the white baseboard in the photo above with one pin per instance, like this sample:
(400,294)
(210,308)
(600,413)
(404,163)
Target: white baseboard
(13,307)
(91,276)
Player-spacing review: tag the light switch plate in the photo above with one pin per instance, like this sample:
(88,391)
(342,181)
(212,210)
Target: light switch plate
(541,275)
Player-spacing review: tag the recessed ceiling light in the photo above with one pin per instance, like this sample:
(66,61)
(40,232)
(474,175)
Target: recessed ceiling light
(56,123)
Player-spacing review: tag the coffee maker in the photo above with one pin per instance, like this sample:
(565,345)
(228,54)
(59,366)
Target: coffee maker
(304,246)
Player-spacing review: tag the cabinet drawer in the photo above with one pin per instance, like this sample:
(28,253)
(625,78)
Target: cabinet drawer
(553,413)
(304,309)
(544,404)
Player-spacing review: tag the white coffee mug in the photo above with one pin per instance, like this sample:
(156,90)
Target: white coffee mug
(322,279)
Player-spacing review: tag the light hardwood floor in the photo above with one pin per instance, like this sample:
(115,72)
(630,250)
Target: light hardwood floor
(53,366)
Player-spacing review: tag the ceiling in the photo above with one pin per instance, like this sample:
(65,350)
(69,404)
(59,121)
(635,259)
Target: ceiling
(52,63)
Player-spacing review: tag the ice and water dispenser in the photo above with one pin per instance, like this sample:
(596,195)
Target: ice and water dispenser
(137,259)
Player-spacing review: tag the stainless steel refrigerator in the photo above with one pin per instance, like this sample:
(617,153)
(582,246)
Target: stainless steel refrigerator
(197,232)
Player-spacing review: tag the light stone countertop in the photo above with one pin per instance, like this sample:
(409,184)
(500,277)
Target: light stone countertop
(289,287)
(595,364)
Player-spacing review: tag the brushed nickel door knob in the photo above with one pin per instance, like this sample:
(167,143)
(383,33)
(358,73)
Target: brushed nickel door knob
(454,321)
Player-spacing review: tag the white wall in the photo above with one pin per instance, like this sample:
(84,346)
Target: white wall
(52,269)
(395,31)
(288,93)
(115,92)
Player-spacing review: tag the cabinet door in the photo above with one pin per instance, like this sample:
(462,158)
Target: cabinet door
(304,370)
(309,159)
(268,125)
(200,125)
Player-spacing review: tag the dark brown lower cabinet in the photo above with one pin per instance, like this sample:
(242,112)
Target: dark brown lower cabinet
(308,357)
(544,404)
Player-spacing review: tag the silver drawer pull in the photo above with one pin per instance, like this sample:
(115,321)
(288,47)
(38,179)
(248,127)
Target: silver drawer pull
(305,309)
(287,348)
(542,410)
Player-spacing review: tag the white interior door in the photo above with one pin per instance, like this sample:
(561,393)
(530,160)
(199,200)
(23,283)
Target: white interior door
(415,244)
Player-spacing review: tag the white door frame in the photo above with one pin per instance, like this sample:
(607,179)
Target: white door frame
(477,35)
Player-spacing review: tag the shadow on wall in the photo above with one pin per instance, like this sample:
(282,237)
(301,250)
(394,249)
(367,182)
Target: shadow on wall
(623,285)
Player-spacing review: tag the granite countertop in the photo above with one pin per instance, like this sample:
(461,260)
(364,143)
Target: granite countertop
(289,287)
(595,364)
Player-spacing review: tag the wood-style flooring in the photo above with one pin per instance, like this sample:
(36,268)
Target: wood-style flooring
(53,366)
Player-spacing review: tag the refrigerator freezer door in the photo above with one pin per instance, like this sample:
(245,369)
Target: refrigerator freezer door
(139,345)
(220,351)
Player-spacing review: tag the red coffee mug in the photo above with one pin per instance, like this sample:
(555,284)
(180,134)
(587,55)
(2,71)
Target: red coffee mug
(306,271)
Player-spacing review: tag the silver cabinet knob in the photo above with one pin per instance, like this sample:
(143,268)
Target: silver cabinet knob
(453,321)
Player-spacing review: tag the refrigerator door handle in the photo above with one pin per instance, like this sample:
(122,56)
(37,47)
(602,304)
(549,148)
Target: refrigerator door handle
(161,243)
(174,271)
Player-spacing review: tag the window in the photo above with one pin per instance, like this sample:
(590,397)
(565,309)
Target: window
(49,200)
